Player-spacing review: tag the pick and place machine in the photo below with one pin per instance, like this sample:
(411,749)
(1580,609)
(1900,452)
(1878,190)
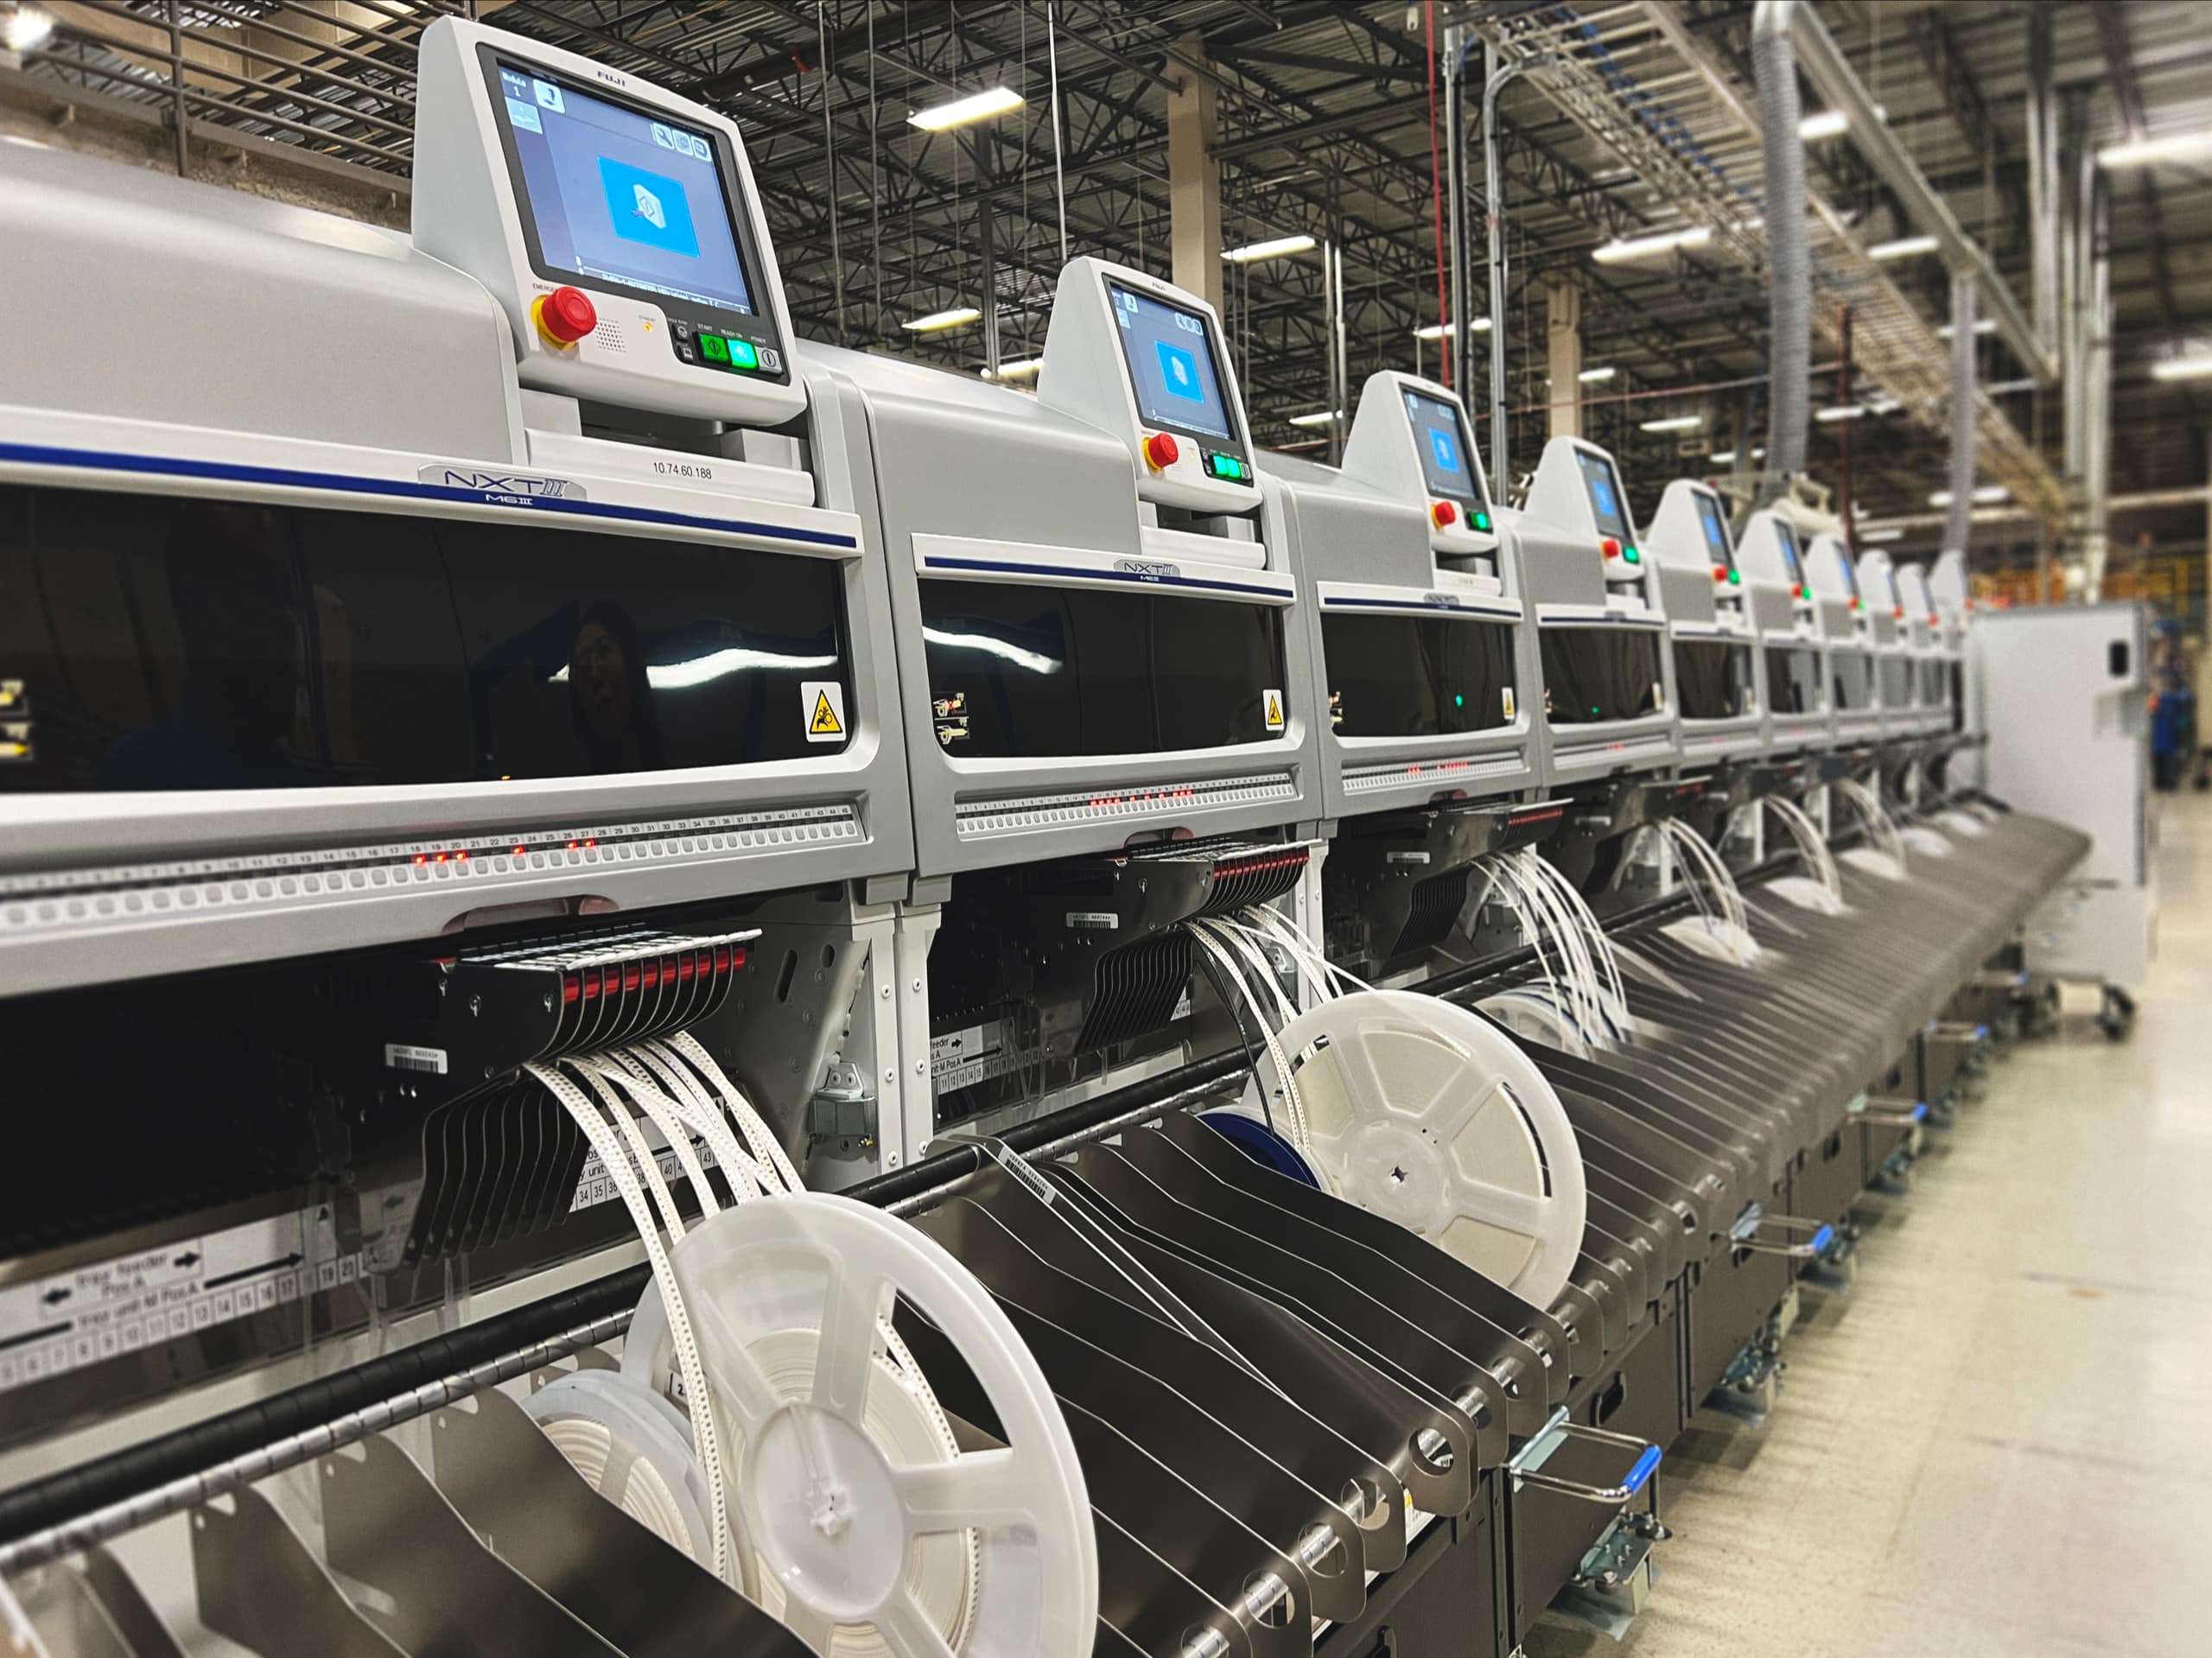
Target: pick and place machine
(500,821)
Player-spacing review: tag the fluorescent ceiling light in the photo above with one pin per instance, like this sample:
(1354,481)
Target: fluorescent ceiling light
(1724,457)
(1449,330)
(1883,405)
(1881,535)
(1905,247)
(2148,152)
(960,112)
(1674,423)
(1022,368)
(1840,411)
(1981,325)
(937,322)
(1597,375)
(1281,247)
(1987,495)
(1824,124)
(26,28)
(1317,417)
(2182,368)
(1617,252)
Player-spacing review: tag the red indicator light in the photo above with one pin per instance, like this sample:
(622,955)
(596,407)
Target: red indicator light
(1610,547)
(1720,572)
(571,987)
(721,959)
(419,858)
(519,851)
(463,857)
(591,842)
(572,846)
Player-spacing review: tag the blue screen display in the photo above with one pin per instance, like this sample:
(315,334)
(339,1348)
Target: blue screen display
(618,197)
(1446,463)
(1716,529)
(1603,485)
(1169,355)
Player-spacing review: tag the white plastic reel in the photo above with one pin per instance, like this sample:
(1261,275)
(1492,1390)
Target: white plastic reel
(1421,1112)
(633,1446)
(860,1520)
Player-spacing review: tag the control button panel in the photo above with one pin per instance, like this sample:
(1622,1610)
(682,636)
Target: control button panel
(707,349)
(1226,466)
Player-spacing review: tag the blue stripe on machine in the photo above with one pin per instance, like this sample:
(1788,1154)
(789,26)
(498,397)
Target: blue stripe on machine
(170,466)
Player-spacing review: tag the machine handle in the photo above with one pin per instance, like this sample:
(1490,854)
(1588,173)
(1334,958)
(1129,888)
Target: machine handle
(1958,1031)
(1647,1459)
(1823,1235)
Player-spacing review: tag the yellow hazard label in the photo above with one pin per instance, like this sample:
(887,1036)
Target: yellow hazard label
(822,703)
(1508,700)
(1273,704)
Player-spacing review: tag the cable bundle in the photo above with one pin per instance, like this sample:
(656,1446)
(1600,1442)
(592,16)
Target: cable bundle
(1881,828)
(1813,847)
(1726,921)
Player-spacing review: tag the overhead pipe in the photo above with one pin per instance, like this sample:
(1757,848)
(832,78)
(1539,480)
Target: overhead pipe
(1827,68)
(1790,262)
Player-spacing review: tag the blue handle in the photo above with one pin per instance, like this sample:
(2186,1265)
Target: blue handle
(1646,1466)
(1981,1033)
(1920,1111)
(1822,1238)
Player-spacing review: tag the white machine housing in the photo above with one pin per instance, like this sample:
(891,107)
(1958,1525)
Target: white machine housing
(1597,596)
(1932,657)
(471,210)
(1853,687)
(1710,622)
(1794,689)
(1011,519)
(1953,593)
(1896,684)
(1380,572)
(250,419)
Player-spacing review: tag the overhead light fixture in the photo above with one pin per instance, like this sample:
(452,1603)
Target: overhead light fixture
(1823,123)
(1981,325)
(1881,535)
(1986,495)
(1723,458)
(26,28)
(1597,375)
(963,112)
(1449,330)
(1905,247)
(1883,405)
(1317,417)
(1022,368)
(1280,247)
(938,321)
(1840,411)
(2182,368)
(2148,152)
(1674,423)
(1620,252)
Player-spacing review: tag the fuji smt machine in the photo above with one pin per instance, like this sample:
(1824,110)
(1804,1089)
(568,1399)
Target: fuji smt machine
(458,772)
(1792,635)
(1855,641)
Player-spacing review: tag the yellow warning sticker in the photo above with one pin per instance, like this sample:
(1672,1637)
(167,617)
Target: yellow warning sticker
(1507,699)
(1272,702)
(823,705)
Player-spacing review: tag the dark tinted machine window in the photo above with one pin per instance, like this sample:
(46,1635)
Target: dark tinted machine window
(1896,683)
(1713,679)
(174,644)
(1022,671)
(1793,680)
(1934,684)
(1593,675)
(1417,676)
(1853,678)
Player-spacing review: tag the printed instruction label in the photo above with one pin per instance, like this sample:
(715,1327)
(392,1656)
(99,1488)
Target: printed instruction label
(822,704)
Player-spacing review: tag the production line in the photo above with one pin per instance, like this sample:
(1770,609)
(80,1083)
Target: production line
(1340,1010)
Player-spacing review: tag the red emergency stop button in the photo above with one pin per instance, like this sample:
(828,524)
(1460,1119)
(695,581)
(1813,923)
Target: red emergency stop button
(1720,572)
(1610,547)
(1161,451)
(1899,612)
(565,316)
(1443,514)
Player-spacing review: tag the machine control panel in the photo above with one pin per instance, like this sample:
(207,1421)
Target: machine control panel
(614,221)
(1410,439)
(1140,358)
(1578,490)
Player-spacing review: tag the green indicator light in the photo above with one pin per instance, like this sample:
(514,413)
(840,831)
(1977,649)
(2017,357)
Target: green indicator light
(1458,700)
(1735,578)
(1482,520)
(1804,593)
(742,355)
(1631,554)
(1593,710)
(714,348)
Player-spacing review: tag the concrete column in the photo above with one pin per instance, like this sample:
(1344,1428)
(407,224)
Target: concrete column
(1563,336)
(1194,180)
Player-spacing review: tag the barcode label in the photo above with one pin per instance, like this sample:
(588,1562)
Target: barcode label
(397,1056)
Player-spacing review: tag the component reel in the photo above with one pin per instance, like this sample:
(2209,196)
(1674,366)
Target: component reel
(860,1524)
(1418,1110)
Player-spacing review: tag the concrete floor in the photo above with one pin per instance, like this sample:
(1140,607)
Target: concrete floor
(1999,1441)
